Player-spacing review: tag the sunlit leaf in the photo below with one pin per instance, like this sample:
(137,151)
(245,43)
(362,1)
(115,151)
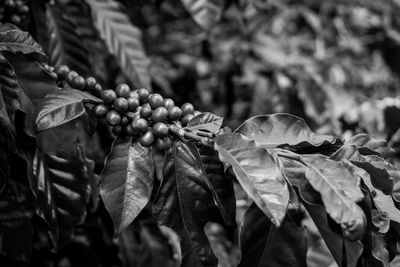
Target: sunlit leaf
(371,146)
(258,171)
(17,41)
(122,38)
(205,122)
(126,181)
(62,106)
(339,186)
(279,130)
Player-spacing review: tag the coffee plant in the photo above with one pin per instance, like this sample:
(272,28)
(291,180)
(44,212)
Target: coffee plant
(105,160)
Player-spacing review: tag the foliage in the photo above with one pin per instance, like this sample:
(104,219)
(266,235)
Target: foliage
(176,180)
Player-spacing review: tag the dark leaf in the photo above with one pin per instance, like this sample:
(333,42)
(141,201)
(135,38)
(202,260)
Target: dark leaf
(205,12)
(15,224)
(62,190)
(126,181)
(339,186)
(65,45)
(263,244)
(9,92)
(280,130)
(62,106)
(185,204)
(16,41)
(205,122)
(258,171)
(371,146)
(220,184)
(123,40)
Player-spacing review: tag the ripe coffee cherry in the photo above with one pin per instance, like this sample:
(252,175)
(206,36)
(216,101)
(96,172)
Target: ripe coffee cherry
(160,129)
(160,114)
(163,143)
(140,125)
(117,130)
(147,139)
(187,118)
(133,103)
(23,9)
(134,94)
(62,71)
(54,76)
(71,76)
(121,104)
(123,90)
(98,89)
(174,113)
(124,120)
(128,130)
(90,83)
(187,108)
(146,111)
(155,101)
(100,110)
(78,83)
(9,3)
(108,96)
(15,19)
(143,95)
(113,118)
(168,103)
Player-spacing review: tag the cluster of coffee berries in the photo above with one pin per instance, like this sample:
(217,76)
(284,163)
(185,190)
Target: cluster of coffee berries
(64,74)
(14,11)
(146,116)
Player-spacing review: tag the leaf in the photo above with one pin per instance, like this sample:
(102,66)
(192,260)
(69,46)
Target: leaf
(65,45)
(220,184)
(379,250)
(126,181)
(123,40)
(9,92)
(147,244)
(374,165)
(16,41)
(205,122)
(263,244)
(279,130)
(62,106)
(62,190)
(371,146)
(184,203)
(206,13)
(339,186)
(258,171)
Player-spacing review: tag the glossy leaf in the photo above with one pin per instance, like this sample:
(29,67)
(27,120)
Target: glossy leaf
(263,244)
(126,181)
(374,165)
(281,129)
(220,184)
(62,106)
(205,122)
(62,190)
(122,38)
(184,203)
(339,186)
(258,171)
(17,41)
(9,92)
(371,146)
(205,12)
(65,45)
